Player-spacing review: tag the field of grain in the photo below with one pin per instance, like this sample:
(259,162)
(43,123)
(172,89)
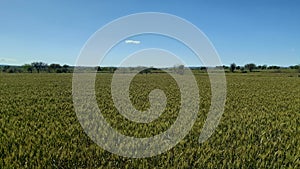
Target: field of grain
(260,127)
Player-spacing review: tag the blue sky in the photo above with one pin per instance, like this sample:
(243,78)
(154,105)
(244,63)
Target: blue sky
(242,31)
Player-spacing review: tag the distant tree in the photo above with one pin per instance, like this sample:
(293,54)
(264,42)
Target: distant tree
(5,69)
(108,69)
(27,68)
(263,67)
(65,68)
(145,71)
(250,66)
(242,68)
(98,68)
(232,67)
(203,68)
(153,69)
(112,69)
(273,67)
(225,67)
(39,66)
(298,69)
(238,68)
(54,66)
(11,70)
(179,69)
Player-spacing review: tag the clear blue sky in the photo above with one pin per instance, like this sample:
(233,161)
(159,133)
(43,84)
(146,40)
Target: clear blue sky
(242,31)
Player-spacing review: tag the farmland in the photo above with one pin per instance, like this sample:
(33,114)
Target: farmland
(260,127)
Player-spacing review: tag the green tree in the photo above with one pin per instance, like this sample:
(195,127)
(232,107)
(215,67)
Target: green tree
(98,68)
(39,66)
(5,68)
(27,68)
(54,67)
(274,67)
(232,67)
(250,66)
(263,67)
(65,68)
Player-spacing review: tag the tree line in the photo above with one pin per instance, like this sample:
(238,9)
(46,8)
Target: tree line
(251,67)
(38,67)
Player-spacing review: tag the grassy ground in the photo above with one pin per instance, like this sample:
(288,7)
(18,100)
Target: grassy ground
(260,127)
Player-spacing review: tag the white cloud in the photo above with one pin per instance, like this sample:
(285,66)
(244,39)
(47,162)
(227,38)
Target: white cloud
(7,60)
(132,41)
